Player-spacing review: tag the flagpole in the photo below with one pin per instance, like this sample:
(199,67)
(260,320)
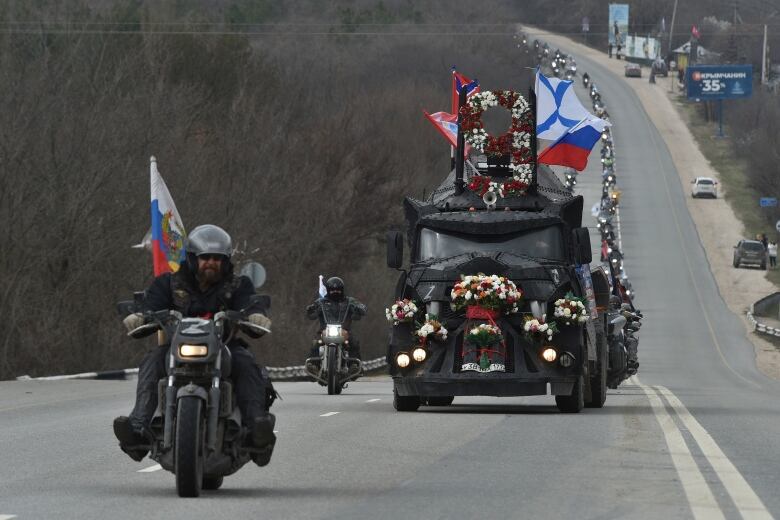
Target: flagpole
(534,144)
(459,156)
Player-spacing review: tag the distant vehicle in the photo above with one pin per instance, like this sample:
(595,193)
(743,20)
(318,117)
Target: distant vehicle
(704,187)
(750,252)
(660,68)
(633,70)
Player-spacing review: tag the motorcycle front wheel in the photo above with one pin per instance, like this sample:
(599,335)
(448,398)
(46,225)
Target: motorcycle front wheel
(333,375)
(189,453)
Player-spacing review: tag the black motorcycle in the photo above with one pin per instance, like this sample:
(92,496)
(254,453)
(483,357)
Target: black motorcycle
(333,367)
(196,430)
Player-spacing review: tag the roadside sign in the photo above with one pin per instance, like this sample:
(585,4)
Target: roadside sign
(706,82)
(777,226)
(585,24)
(768,202)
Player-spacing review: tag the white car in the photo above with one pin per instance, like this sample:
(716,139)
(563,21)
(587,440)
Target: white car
(704,187)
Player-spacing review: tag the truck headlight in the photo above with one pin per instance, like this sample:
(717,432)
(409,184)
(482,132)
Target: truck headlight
(419,354)
(549,354)
(403,360)
(193,350)
(566,360)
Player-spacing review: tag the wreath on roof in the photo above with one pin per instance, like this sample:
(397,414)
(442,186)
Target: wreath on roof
(515,142)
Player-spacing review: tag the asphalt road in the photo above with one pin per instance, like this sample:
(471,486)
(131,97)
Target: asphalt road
(697,435)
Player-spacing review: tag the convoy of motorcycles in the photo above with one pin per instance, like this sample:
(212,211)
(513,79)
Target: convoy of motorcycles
(624,321)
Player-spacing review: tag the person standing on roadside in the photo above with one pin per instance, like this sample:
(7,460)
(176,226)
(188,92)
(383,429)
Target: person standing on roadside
(764,240)
(772,250)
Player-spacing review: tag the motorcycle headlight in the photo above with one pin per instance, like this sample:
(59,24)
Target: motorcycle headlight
(333,331)
(193,350)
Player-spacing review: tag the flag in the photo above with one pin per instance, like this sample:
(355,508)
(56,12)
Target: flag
(447,125)
(557,107)
(663,25)
(322,290)
(695,32)
(573,147)
(167,230)
(459,81)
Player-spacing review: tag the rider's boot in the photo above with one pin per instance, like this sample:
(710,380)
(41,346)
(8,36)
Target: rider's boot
(263,438)
(131,438)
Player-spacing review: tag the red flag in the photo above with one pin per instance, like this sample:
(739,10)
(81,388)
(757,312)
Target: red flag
(695,32)
(459,81)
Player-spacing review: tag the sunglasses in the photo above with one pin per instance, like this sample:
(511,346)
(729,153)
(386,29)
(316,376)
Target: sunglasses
(208,257)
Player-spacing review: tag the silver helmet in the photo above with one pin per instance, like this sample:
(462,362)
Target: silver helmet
(209,239)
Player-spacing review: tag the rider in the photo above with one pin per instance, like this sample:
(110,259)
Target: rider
(203,285)
(336,307)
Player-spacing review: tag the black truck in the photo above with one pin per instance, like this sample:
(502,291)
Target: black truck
(537,241)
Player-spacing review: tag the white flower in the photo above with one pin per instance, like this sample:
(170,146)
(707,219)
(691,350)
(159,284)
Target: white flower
(468,295)
(566,312)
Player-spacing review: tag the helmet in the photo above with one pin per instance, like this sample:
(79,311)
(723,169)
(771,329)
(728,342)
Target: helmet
(335,288)
(208,239)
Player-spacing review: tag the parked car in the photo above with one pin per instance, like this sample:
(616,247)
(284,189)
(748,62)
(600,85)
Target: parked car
(750,252)
(633,70)
(660,68)
(704,187)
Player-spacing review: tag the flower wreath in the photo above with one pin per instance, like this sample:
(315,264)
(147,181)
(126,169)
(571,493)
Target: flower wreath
(570,310)
(402,311)
(516,141)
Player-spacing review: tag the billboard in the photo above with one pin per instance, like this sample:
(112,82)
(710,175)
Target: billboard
(640,47)
(618,23)
(719,81)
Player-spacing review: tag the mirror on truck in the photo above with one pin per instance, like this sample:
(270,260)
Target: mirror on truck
(583,252)
(395,249)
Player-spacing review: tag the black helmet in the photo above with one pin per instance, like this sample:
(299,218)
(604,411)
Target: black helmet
(335,287)
(208,239)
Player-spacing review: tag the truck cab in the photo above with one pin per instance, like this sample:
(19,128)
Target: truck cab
(535,240)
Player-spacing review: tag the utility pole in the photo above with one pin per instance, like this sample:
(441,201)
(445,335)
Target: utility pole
(671,27)
(763,60)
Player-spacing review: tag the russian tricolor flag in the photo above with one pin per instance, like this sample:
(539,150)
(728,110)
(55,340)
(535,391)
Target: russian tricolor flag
(167,230)
(573,148)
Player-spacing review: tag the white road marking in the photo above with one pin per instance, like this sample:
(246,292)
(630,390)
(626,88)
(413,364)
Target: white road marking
(700,498)
(373,400)
(329,414)
(150,469)
(7,517)
(746,500)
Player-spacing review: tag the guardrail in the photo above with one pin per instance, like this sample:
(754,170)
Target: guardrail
(763,308)
(276,373)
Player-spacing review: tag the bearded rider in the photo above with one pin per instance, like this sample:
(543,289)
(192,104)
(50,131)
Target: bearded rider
(336,307)
(203,286)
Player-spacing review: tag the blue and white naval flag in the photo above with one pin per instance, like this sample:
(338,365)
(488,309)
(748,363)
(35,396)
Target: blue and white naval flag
(557,107)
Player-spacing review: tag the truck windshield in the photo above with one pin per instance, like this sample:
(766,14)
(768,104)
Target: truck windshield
(544,243)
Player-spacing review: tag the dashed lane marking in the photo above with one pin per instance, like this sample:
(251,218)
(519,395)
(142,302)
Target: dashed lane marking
(150,469)
(373,400)
(329,414)
(7,517)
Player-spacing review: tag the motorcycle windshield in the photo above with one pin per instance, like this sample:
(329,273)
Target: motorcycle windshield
(544,242)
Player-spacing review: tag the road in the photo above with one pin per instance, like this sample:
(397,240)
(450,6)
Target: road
(697,435)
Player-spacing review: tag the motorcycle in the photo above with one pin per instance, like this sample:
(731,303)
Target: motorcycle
(333,367)
(196,430)
(585,80)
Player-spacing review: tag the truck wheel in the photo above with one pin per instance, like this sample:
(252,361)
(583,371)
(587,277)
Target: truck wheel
(575,402)
(212,482)
(598,383)
(440,400)
(405,403)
